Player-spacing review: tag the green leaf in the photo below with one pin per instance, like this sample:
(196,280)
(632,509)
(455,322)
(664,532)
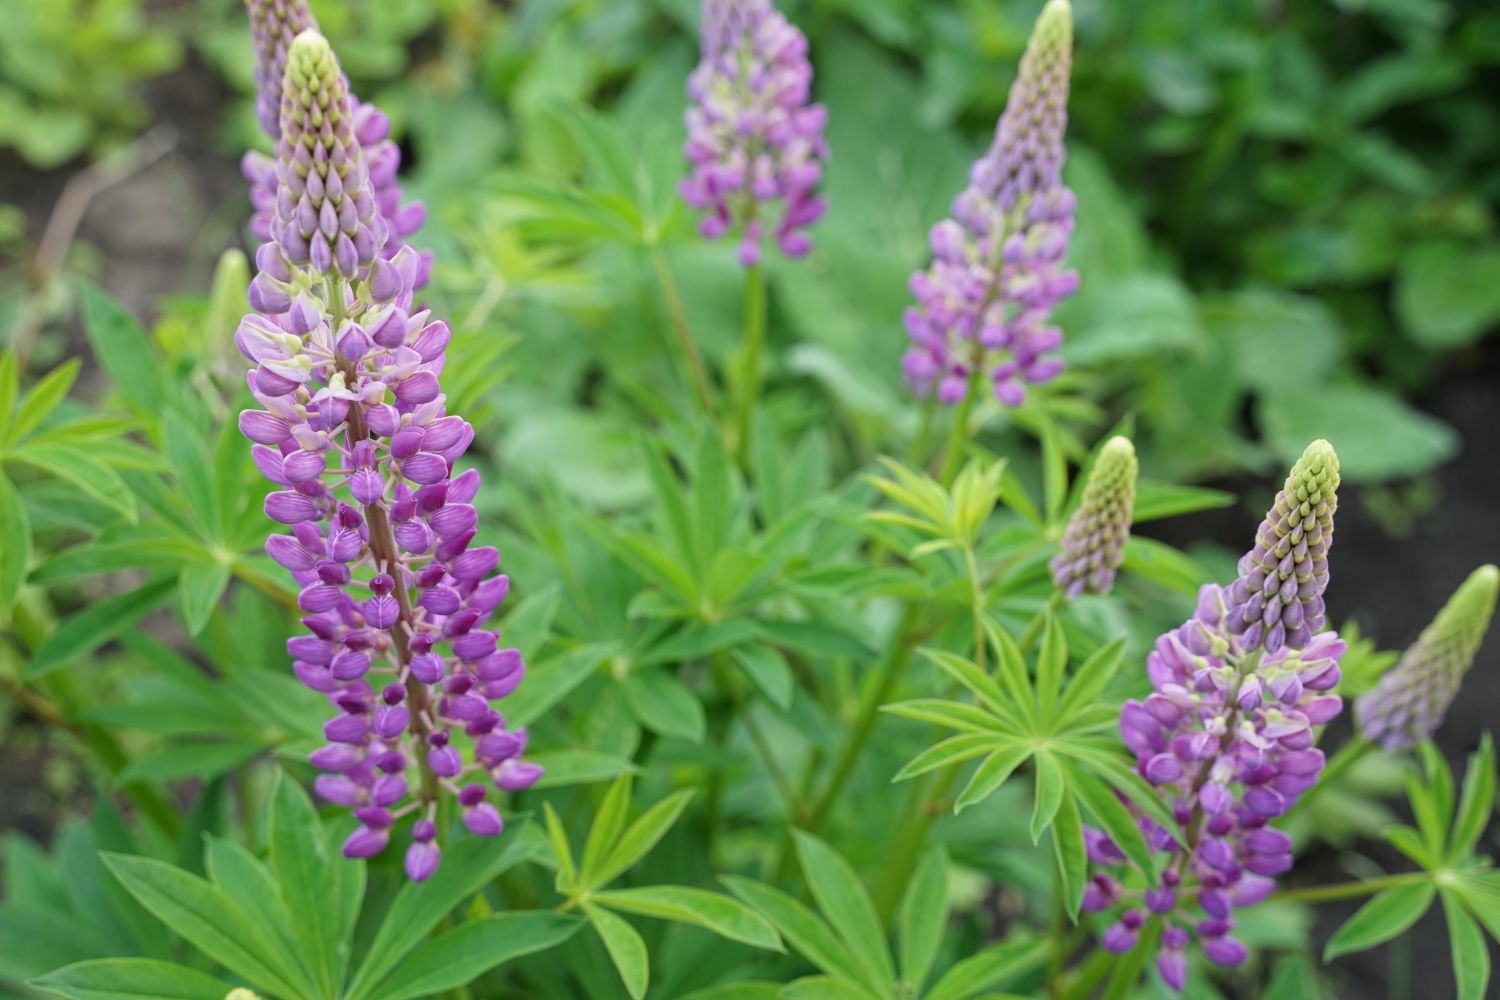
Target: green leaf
(1070,854)
(565,767)
(459,956)
(1377,435)
(15,545)
(1386,915)
(205,916)
(846,905)
(1049,787)
(643,835)
(625,947)
(923,919)
(953,750)
(199,587)
(40,401)
(724,916)
(304,868)
(249,882)
(551,681)
(988,968)
(747,990)
(89,629)
(991,773)
(188,760)
(562,852)
(1110,813)
(10,383)
(664,705)
(1090,680)
(979,683)
(1446,295)
(1051,664)
(468,866)
(947,713)
(1160,563)
(188,454)
(768,671)
(1471,956)
(1155,500)
(609,823)
(123,348)
(131,979)
(1476,802)
(802,928)
(825,988)
(81,469)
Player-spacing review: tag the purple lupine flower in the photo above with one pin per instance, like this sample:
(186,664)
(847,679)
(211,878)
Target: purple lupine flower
(1278,596)
(1093,546)
(753,138)
(273,26)
(1227,737)
(353,433)
(1411,700)
(983,304)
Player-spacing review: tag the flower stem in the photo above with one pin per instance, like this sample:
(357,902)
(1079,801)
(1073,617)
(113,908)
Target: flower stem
(689,346)
(745,371)
(895,661)
(958,436)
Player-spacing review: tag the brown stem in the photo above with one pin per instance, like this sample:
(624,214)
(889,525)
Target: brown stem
(383,547)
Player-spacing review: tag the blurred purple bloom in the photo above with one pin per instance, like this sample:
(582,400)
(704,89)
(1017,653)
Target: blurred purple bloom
(753,138)
(983,304)
(1413,697)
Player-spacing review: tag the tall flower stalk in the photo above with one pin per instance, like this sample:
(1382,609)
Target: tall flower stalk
(1227,737)
(983,303)
(352,428)
(1409,704)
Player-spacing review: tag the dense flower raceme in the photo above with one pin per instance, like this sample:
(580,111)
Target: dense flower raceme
(273,25)
(1413,697)
(753,138)
(1093,546)
(1227,737)
(983,304)
(352,430)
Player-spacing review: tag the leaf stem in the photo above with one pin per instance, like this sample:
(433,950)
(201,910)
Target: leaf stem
(897,655)
(685,340)
(958,434)
(1348,890)
(745,372)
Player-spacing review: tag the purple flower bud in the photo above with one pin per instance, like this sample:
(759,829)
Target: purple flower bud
(1093,546)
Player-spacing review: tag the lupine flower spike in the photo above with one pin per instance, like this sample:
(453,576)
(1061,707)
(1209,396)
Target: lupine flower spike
(1093,546)
(753,138)
(352,430)
(983,304)
(1227,736)
(273,25)
(1411,700)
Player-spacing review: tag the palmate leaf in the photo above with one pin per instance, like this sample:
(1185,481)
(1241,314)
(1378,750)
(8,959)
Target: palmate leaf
(455,958)
(131,979)
(847,906)
(923,918)
(803,929)
(626,948)
(989,968)
(1386,915)
(729,918)
(468,866)
(991,773)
